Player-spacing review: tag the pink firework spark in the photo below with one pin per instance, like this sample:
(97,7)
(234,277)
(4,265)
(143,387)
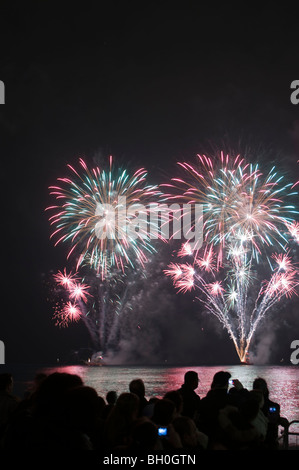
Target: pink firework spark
(174,271)
(284,262)
(288,284)
(182,276)
(282,284)
(64,279)
(188,270)
(69,313)
(294,230)
(215,288)
(185,284)
(207,262)
(79,291)
(186,250)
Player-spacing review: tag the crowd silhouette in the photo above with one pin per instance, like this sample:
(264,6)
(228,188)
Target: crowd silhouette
(61,412)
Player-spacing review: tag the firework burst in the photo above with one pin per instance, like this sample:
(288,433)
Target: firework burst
(239,203)
(101,215)
(246,216)
(69,313)
(97,214)
(66,280)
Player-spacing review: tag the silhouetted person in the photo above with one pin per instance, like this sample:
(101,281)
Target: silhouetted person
(149,408)
(191,437)
(49,395)
(111,398)
(45,423)
(83,412)
(144,436)
(164,412)
(39,377)
(8,402)
(191,400)
(163,416)
(119,422)
(236,430)
(29,394)
(137,386)
(176,397)
(271,411)
(216,399)
(260,422)
(47,426)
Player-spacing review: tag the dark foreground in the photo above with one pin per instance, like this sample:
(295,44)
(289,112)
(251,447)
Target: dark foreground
(60,412)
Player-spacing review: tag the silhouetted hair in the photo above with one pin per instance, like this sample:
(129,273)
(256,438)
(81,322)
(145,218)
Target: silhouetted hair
(83,406)
(176,398)
(249,408)
(5,380)
(111,397)
(261,384)
(121,417)
(163,412)
(220,379)
(190,376)
(52,389)
(182,425)
(144,433)
(137,386)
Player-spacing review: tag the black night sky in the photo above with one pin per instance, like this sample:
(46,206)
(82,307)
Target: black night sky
(150,83)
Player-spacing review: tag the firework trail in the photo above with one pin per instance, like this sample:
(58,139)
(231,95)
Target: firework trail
(247,215)
(100,304)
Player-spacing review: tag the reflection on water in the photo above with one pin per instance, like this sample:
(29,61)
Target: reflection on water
(283,381)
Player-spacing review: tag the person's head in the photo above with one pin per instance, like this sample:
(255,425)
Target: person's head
(177,399)
(144,434)
(191,379)
(127,404)
(6,382)
(137,386)
(121,417)
(187,430)
(258,396)
(163,413)
(83,407)
(51,390)
(111,397)
(249,408)
(261,384)
(221,380)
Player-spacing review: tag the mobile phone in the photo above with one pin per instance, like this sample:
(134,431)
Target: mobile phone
(231,381)
(162,431)
(272,409)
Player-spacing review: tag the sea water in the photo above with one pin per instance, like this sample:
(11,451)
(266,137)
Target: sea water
(283,381)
